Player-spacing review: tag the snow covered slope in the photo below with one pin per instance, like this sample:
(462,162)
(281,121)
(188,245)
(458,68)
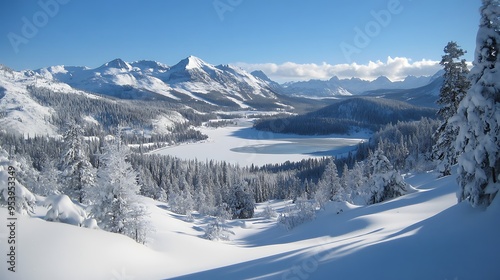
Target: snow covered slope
(19,113)
(422,235)
(191,78)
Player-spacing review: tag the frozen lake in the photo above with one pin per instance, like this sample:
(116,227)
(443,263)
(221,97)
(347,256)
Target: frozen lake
(243,145)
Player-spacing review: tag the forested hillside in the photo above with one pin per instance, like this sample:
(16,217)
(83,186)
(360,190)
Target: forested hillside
(345,115)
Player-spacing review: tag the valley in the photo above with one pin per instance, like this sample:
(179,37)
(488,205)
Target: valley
(243,145)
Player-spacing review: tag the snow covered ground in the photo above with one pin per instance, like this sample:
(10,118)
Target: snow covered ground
(423,235)
(243,145)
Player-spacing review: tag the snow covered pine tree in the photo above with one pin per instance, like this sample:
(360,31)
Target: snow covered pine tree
(478,115)
(452,91)
(78,175)
(385,182)
(115,201)
(329,187)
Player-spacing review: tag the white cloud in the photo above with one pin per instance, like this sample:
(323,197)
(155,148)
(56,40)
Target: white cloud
(394,68)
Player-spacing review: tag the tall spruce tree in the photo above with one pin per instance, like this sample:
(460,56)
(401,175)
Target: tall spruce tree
(78,175)
(115,199)
(329,186)
(478,115)
(452,91)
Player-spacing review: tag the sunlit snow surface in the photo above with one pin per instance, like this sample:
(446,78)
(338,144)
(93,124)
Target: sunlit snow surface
(423,235)
(244,145)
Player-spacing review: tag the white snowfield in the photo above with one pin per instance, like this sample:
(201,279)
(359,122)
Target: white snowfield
(243,145)
(422,235)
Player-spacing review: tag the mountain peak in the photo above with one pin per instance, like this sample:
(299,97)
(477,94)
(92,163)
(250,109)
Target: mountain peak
(382,79)
(261,75)
(191,62)
(194,62)
(334,79)
(118,64)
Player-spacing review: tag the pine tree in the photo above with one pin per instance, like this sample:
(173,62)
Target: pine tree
(116,204)
(385,182)
(357,180)
(329,184)
(217,229)
(241,202)
(453,90)
(48,181)
(78,175)
(478,116)
(25,201)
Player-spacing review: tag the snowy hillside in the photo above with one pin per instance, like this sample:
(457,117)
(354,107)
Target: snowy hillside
(422,235)
(191,78)
(35,104)
(19,112)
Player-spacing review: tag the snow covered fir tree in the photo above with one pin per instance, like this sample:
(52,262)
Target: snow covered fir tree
(146,171)
(385,182)
(78,174)
(478,116)
(114,200)
(452,91)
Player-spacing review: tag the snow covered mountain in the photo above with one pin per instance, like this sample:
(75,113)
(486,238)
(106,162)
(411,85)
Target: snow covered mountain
(272,84)
(424,96)
(316,88)
(358,86)
(191,78)
(116,78)
(353,86)
(37,104)
(19,112)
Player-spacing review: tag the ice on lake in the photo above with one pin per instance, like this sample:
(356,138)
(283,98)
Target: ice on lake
(243,145)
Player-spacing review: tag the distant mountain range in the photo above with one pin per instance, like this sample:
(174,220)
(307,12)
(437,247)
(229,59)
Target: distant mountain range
(191,83)
(194,80)
(353,86)
(191,78)
(424,96)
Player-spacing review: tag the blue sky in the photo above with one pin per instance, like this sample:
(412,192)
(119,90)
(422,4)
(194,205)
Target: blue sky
(288,39)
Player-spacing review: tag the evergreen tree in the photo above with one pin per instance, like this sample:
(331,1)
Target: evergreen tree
(78,175)
(48,181)
(385,182)
(25,201)
(329,185)
(181,203)
(478,116)
(115,201)
(303,211)
(217,229)
(241,202)
(453,90)
(355,182)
